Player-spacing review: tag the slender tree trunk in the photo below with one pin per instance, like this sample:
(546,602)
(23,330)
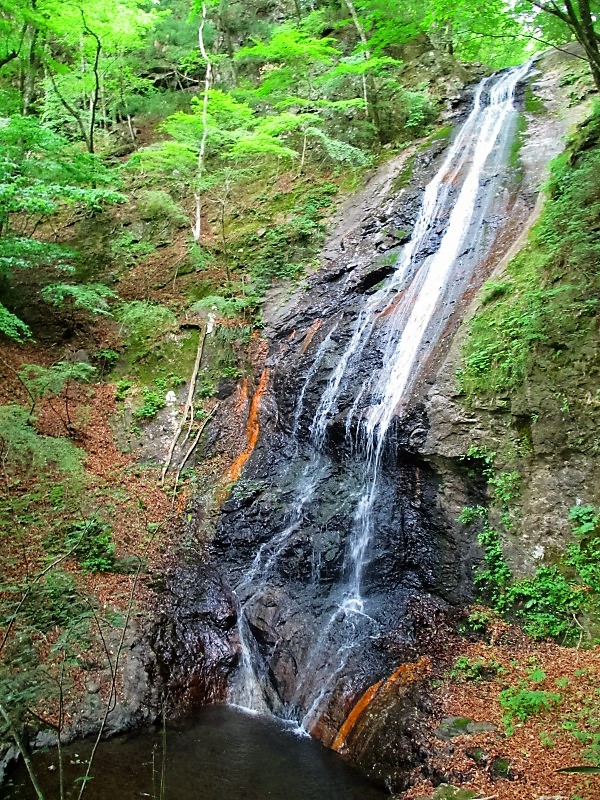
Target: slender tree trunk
(369,88)
(30,74)
(450,37)
(589,39)
(197,226)
(96,93)
(72,111)
(24,754)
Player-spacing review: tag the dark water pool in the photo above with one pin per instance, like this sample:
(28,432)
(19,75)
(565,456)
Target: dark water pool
(223,754)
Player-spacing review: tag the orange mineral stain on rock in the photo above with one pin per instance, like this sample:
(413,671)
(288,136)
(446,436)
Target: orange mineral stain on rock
(388,310)
(352,718)
(310,335)
(252,429)
(403,676)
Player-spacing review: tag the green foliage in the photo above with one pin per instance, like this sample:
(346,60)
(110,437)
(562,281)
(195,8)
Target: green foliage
(471,514)
(127,249)
(51,605)
(286,249)
(467,669)
(478,621)
(24,448)
(142,321)
(123,387)
(583,555)
(291,47)
(549,603)
(338,151)
(446,792)
(524,702)
(21,253)
(505,486)
(91,543)
(159,205)
(50,381)
(585,728)
(12,326)
(496,576)
(53,601)
(226,306)
(107,357)
(494,289)
(40,171)
(90,297)
(153,399)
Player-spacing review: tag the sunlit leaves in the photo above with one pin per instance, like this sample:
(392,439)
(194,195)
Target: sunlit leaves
(291,45)
(90,297)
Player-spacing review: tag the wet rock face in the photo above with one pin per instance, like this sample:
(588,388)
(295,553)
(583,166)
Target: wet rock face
(195,640)
(416,551)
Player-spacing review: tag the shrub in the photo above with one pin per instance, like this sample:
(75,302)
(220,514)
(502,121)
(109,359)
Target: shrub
(142,320)
(523,702)
(159,205)
(92,543)
(22,446)
(153,400)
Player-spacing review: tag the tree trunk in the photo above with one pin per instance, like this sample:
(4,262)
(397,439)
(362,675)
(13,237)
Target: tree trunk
(96,94)
(580,21)
(197,226)
(30,74)
(369,87)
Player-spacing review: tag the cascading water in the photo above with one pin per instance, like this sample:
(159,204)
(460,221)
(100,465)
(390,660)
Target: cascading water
(295,661)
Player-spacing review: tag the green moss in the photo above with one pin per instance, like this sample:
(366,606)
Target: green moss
(405,176)
(145,362)
(438,135)
(517,145)
(537,329)
(533,103)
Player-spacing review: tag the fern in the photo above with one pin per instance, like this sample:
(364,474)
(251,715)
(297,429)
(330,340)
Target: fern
(92,297)
(12,326)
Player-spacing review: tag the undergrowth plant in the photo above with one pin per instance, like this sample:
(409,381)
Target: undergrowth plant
(557,599)
(522,702)
(92,545)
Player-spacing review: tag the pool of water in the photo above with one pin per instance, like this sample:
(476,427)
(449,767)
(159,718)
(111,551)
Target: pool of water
(222,754)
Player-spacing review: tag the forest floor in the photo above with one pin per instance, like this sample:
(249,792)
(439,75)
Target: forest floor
(511,713)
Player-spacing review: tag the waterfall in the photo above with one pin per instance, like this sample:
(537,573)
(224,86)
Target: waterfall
(333,618)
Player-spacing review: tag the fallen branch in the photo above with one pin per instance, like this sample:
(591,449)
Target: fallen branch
(193,447)
(188,404)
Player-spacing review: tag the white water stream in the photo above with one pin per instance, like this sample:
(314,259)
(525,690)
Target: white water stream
(402,320)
